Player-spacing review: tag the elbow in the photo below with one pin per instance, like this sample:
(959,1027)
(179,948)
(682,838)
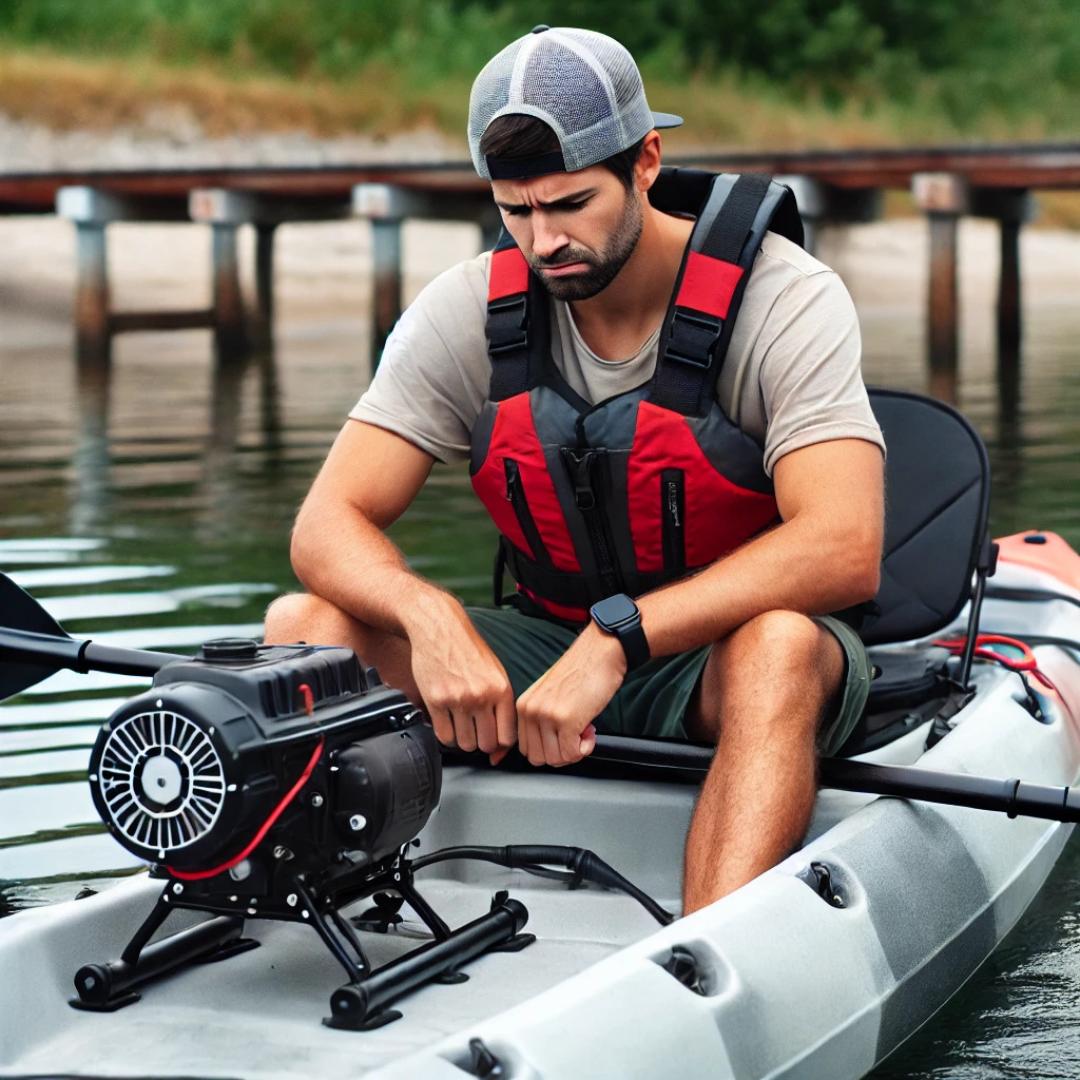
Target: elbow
(859,568)
(302,553)
(866,581)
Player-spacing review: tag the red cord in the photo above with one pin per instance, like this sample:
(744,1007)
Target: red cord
(200,875)
(1026,662)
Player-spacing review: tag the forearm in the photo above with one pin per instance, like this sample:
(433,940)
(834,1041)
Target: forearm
(798,566)
(342,556)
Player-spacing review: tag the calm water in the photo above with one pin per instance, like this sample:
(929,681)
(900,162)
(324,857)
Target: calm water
(155,511)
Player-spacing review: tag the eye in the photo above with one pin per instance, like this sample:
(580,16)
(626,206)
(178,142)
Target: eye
(517,211)
(573,207)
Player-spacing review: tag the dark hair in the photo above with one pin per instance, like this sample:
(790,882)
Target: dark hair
(518,135)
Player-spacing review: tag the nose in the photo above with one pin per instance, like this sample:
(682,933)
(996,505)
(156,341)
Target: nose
(548,237)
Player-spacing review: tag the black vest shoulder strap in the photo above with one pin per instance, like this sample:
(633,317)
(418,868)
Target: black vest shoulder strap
(733,215)
(731,225)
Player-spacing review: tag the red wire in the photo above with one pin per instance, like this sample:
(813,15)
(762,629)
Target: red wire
(200,875)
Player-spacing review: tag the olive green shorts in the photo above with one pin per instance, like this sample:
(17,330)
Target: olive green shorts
(652,700)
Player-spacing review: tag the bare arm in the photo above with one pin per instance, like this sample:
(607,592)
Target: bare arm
(825,556)
(341,553)
(339,549)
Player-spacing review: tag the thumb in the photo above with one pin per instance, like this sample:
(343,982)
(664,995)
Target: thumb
(588,740)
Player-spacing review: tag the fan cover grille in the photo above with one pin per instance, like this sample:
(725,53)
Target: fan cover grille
(162,780)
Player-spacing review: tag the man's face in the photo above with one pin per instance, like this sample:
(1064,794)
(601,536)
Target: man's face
(576,230)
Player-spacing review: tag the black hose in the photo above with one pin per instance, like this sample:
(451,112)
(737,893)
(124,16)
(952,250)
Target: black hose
(584,866)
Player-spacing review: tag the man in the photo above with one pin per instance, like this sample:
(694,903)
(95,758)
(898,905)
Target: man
(741,652)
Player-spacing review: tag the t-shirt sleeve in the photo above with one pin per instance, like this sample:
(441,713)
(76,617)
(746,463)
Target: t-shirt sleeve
(811,375)
(432,379)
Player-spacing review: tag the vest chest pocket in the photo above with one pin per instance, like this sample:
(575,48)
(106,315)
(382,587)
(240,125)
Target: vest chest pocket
(515,494)
(673,518)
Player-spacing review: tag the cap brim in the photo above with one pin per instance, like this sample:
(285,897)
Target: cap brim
(666,120)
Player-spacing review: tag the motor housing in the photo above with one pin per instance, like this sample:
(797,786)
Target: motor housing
(186,774)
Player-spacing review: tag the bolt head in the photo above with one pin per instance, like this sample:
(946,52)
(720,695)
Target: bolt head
(357,822)
(291,899)
(177,888)
(279,852)
(316,800)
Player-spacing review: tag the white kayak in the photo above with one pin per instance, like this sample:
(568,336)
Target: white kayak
(784,982)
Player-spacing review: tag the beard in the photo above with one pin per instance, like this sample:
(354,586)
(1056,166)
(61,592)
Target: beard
(603,267)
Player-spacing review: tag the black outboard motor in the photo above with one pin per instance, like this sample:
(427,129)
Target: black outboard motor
(277,782)
(187,774)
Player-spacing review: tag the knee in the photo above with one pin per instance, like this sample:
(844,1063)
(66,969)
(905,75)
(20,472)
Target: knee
(783,645)
(295,617)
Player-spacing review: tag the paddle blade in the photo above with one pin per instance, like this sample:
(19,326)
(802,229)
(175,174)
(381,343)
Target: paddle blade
(20,611)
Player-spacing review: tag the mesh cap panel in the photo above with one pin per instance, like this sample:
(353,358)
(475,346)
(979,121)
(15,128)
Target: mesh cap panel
(584,85)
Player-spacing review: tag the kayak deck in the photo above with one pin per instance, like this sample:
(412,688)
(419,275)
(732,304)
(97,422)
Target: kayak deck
(793,986)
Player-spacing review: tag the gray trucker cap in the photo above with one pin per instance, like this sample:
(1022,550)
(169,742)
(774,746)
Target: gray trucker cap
(585,86)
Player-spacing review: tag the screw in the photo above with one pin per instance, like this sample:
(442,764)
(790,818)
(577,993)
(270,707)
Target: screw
(279,852)
(357,822)
(316,800)
(177,888)
(291,899)
(304,914)
(251,911)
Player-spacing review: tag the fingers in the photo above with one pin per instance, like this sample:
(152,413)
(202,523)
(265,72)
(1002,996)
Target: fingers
(465,730)
(443,725)
(547,739)
(506,721)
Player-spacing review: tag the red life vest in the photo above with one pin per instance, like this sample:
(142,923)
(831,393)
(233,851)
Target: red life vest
(652,484)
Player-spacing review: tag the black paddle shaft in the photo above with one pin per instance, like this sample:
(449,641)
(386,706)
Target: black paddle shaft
(1017,798)
(33,646)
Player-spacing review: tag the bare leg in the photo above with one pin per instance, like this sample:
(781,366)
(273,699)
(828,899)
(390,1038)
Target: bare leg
(301,617)
(770,680)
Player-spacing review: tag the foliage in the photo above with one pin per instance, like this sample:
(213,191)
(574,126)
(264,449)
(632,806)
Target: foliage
(962,58)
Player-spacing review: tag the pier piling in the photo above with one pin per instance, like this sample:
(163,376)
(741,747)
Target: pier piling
(943,197)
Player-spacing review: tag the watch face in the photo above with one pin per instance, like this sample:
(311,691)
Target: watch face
(615,610)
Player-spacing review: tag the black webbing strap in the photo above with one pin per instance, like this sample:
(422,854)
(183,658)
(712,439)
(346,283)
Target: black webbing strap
(508,336)
(733,224)
(693,343)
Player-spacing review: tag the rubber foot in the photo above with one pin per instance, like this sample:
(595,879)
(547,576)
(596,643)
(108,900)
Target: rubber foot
(451,978)
(387,1016)
(515,944)
(114,1003)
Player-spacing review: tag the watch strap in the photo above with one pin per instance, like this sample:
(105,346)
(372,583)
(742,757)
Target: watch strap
(635,644)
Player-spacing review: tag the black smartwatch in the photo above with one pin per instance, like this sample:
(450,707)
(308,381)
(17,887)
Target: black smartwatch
(619,615)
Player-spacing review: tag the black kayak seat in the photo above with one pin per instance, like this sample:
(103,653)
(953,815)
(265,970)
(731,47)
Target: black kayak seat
(937,502)
(937,547)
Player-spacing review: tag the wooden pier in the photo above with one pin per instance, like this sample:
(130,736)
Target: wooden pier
(832,187)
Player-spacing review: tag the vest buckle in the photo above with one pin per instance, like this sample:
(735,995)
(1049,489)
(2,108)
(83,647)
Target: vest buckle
(507,325)
(580,464)
(693,338)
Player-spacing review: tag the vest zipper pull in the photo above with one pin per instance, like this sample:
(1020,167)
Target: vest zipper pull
(581,469)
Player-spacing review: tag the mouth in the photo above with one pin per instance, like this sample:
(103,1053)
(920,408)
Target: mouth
(564,269)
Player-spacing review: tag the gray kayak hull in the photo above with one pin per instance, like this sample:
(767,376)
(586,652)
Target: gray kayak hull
(794,987)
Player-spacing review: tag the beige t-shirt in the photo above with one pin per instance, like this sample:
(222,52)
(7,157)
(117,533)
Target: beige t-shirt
(791,377)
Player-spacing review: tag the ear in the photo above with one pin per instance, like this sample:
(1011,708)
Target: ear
(647,166)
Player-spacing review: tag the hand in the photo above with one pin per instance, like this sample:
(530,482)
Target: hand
(465,688)
(555,714)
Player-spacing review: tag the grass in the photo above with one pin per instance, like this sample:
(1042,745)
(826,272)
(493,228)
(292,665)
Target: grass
(77,93)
